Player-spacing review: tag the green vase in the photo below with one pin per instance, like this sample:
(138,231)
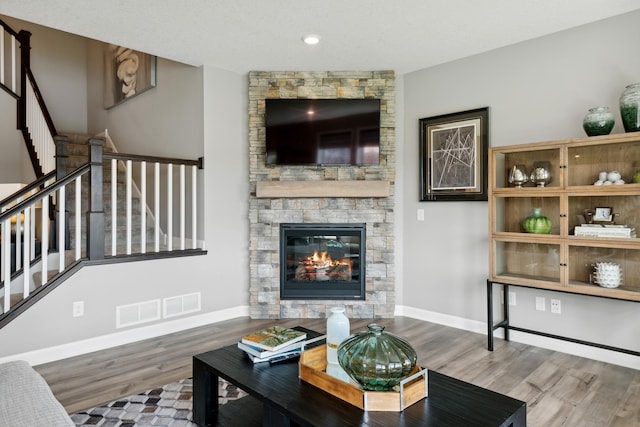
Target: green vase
(375,359)
(598,121)
(630,108)
(537,223)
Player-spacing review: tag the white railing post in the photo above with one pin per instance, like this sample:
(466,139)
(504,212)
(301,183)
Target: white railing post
(143,207)
(45,240)
(14,67)
(2,56)
(182,207)
(170,207)
(194,205)
(77,217)
(156,206)
(26,271)
(6,258)
(114,206)
(128,197)
(62,201)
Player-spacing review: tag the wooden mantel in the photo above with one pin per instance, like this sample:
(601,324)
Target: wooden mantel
(298,189)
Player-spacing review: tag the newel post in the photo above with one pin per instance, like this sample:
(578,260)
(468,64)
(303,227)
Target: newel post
(95,216)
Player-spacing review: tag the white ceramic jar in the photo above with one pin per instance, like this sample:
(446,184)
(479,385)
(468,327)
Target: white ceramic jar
(338,329)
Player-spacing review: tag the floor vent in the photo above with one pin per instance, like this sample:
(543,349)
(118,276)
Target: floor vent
(181,304)
(135,314)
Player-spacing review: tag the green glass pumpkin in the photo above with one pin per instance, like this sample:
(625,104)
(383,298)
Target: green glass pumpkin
(537,223)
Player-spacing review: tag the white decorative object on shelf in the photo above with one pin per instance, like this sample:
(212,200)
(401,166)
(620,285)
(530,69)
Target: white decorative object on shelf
(338,329)
(608,274)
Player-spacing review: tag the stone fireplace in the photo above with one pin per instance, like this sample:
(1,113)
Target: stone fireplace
(312,195)
(322,261)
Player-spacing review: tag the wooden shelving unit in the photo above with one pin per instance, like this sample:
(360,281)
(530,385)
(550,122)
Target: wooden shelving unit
(560,260)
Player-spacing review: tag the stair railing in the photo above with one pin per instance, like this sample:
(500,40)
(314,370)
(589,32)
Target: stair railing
(33,120)
(18,281)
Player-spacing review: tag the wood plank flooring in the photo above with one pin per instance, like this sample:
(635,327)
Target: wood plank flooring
(560,389)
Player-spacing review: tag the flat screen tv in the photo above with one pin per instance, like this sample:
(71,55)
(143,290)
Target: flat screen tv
(322,131)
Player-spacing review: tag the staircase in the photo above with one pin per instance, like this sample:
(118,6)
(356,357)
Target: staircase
(89,203)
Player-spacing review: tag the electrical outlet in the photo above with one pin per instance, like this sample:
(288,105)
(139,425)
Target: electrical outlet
(540,304)
(78,308)
(512,298)
(556,306)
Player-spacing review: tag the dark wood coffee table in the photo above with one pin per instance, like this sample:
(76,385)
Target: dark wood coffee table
(277,397)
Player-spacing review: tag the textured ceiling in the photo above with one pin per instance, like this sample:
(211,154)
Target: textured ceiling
(242,35)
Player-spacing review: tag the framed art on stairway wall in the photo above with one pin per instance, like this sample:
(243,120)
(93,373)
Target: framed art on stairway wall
(127,73)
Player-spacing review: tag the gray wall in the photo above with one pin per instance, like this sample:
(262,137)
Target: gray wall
(537,90)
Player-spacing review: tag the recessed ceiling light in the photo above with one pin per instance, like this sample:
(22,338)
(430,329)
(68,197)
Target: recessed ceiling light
(311,39)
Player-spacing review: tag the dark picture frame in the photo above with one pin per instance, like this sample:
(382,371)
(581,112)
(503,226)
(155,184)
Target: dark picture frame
(453,156)
(127,73)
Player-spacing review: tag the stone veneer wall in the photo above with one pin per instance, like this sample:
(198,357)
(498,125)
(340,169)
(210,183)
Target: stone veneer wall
(266,214)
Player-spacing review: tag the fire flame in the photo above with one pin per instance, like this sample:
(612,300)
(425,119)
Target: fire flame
(323,260)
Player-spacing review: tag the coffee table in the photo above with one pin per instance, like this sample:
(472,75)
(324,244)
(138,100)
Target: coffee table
(277,397)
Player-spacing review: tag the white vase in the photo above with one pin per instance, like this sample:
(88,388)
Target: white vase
(338,329)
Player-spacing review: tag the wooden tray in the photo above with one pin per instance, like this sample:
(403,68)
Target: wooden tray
(313,365)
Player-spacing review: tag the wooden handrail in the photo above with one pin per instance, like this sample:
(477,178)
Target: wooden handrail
(154,159)
(40,182)
(45,112)
(8,29)
(45,192)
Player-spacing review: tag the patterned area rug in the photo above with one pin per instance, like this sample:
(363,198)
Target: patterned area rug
(168,406)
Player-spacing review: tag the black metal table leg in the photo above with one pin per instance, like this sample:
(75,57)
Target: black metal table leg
(489,315)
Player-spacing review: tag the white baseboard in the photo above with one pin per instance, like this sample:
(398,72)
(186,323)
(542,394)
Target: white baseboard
(581,350)
(46,355)
(59,352)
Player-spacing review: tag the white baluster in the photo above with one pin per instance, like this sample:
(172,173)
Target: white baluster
(169,207)
(143,207)
(128,195)
(194,205)
(6,261)
(2,56)
(32,241)
(62,200)
(26,272)
(114,205)
(182,207)
(18,248)
(78,216)
(156,206)
(14,67)
(45,239)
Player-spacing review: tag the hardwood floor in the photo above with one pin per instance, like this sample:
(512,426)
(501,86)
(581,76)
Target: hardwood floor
(560,389)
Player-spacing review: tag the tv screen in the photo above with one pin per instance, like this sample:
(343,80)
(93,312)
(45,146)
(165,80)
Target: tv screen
(322,131)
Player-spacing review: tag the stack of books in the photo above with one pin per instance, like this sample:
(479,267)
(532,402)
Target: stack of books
(278,343)
(608,230)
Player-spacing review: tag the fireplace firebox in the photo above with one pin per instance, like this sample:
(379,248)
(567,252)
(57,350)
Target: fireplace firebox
(322,261)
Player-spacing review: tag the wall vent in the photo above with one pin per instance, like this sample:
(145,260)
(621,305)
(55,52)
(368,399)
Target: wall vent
(181,304)
(135,314)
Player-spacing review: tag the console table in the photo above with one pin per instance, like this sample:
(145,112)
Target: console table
(277,397)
